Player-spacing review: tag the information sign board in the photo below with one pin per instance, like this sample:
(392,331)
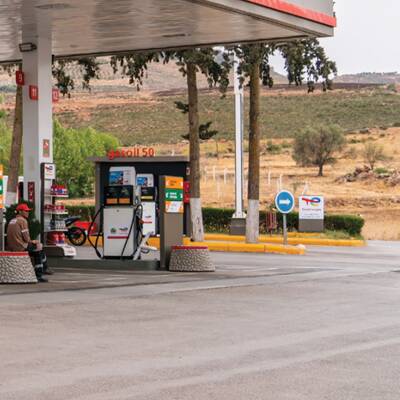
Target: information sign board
(311,207)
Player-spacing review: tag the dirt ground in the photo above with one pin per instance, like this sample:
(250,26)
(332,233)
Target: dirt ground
(372,198)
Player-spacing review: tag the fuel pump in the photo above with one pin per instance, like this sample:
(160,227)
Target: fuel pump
(120,216)
(149,203)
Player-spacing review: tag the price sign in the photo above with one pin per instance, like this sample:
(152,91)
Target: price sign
(174,194)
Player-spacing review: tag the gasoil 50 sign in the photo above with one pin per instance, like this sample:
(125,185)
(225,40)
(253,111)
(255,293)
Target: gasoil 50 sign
(311,207)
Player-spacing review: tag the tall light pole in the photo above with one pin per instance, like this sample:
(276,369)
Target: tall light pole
(238,225)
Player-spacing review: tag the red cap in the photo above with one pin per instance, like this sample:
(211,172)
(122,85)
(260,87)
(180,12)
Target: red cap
(23,207)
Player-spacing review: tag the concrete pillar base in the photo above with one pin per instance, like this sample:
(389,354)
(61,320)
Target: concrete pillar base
(191,259)
(16,268)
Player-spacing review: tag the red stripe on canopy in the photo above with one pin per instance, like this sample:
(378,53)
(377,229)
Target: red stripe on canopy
(298,11)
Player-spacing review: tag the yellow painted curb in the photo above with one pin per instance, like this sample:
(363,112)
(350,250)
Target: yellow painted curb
(230,247)
(251,248)
(291,240)
(153,241)
(296,250)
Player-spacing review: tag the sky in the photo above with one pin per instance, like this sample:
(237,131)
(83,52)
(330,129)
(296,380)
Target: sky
(367,38)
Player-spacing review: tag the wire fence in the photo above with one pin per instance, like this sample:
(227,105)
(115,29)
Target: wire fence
(218,185)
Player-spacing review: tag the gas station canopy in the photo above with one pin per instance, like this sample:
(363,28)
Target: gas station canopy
(95,27)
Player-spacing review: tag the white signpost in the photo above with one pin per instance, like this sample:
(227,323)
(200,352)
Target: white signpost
(311,213)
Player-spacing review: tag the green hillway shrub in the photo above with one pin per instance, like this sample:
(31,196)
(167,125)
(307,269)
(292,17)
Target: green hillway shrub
(219,219)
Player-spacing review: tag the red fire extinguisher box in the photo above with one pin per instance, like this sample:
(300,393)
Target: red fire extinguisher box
(33,92)
(19,78)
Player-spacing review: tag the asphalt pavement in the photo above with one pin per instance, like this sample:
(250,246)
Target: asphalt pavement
(321,326)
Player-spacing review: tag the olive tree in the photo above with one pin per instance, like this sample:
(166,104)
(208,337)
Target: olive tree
(318,146)
(372,153)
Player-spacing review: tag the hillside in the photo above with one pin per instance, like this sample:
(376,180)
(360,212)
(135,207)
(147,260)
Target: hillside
(146,117)
(159,78)
(150,118)
(375,78)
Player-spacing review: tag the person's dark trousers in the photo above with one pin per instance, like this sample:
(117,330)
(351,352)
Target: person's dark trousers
(39,265)
(46,269)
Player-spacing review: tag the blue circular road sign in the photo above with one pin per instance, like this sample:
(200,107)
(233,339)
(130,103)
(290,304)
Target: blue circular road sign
(284,202)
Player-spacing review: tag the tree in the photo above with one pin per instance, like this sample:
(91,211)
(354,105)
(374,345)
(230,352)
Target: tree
(72,148)
(89,68)
(318,145)
(254,65)
(205,131)
(302,58)
(5,143)
(372,153)
(306,59)
(134,65)
(16,142)
(190,62)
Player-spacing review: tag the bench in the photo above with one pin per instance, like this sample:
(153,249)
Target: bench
(191,259)
(16,267)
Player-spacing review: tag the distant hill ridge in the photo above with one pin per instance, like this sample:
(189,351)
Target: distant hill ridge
(160,77)
(381,78)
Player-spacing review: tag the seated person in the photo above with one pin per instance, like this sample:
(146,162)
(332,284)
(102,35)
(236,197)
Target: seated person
(18,239)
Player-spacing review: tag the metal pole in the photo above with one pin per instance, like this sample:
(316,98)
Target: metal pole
(239,128)
(285,236)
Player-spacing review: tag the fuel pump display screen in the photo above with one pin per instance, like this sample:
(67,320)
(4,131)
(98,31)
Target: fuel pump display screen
(148,193)
(118,195)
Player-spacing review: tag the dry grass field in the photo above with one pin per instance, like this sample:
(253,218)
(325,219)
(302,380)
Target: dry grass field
(377,201)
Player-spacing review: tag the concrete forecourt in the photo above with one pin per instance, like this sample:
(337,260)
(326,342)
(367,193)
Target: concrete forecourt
(321,326)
